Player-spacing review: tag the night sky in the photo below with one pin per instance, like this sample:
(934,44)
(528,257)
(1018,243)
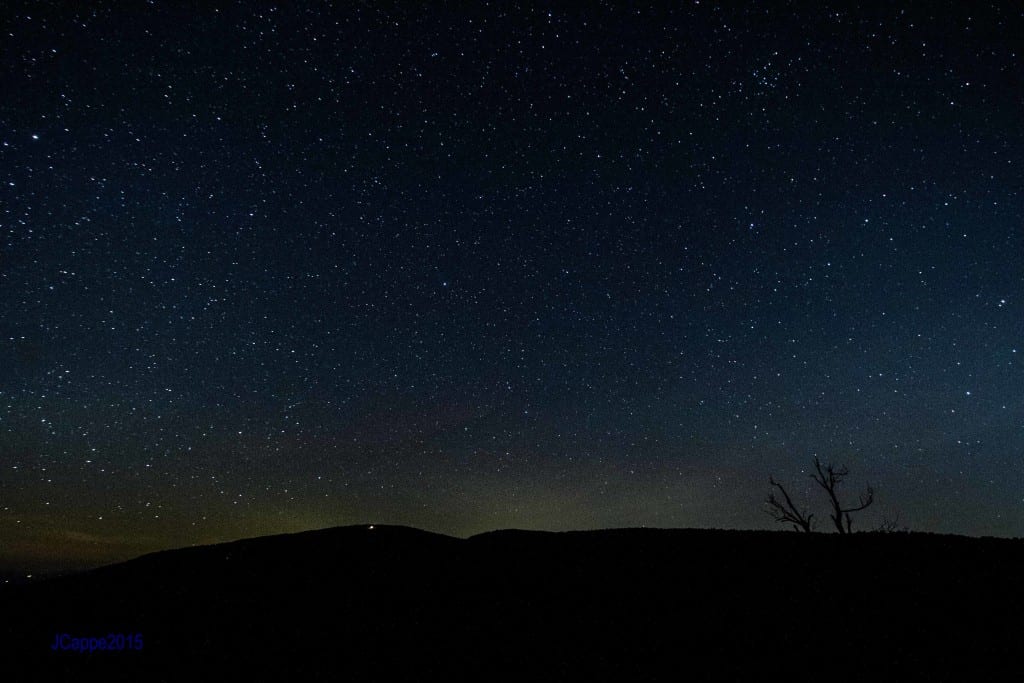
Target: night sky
(265,269)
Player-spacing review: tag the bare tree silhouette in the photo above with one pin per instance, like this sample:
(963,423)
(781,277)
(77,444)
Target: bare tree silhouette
(891,526)
(786,512)
(829,478)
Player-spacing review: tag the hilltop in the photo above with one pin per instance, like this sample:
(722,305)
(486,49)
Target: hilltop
(394,603)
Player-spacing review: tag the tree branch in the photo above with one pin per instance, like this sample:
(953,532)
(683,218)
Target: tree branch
(787,511)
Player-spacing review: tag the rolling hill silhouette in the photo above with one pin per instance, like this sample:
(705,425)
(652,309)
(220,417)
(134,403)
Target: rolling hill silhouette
(394,603)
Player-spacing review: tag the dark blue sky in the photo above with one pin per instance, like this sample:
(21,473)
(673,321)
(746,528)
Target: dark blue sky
(270,268)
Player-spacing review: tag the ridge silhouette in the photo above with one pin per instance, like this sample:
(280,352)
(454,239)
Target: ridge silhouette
(396,603)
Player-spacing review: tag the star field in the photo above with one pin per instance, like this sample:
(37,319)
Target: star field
(268,268)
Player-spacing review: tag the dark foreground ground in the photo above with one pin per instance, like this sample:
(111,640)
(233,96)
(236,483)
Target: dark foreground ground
(392,603)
